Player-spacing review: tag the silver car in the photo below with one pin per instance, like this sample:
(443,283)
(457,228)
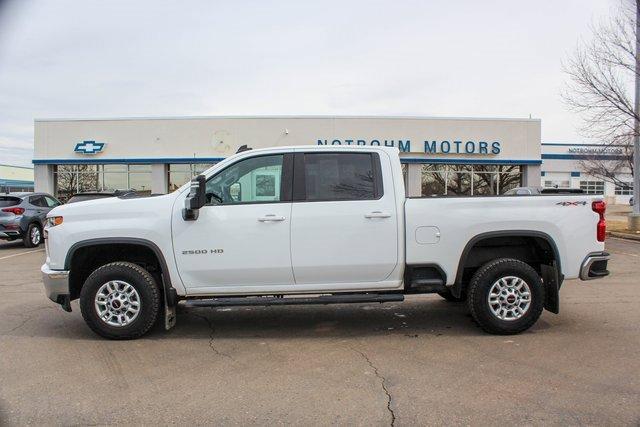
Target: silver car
(22,216)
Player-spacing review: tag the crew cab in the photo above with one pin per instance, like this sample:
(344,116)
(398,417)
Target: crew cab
(317,225)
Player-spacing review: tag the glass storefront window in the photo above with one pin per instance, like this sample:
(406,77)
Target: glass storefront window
(114,168)
(198,168)
(72,179)
(140,168)
(181,173)
(114,181)
(140,182)
(458,184)
(592,187)
(469,180)
(485,183)
(624,189)
(434,182)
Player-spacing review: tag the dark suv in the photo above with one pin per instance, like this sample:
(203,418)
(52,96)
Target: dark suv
(22,216)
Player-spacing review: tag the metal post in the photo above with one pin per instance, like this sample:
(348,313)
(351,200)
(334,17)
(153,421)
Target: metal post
(634,220)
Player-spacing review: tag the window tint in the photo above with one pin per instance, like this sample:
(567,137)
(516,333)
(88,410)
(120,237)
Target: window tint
(38,201)
(51,202)
(9,201)
(339,176)
(256,179)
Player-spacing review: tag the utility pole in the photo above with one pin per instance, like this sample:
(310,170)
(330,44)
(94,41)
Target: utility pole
(634,218)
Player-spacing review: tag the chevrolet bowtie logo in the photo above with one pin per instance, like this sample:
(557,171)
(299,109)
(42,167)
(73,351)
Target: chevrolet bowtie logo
(89,147)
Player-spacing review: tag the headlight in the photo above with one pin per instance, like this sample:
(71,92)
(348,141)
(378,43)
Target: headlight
(52,221)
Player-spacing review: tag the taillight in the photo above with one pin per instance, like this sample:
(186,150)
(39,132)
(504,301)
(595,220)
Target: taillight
(15,211)
(600,207)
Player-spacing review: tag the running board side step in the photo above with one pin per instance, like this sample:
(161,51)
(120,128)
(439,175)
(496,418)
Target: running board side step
(266,301)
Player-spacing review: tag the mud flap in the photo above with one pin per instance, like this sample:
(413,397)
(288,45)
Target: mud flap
(170,302)
(551,281)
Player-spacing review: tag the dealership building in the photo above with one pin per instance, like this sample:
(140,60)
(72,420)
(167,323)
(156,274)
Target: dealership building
(440,156)
(15,179)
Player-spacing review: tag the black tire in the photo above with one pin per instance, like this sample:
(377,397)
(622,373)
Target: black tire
(33,236)
(147,292)
(447,295)
(481,284)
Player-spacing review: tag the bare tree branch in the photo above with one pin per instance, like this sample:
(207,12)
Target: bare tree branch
(601,74)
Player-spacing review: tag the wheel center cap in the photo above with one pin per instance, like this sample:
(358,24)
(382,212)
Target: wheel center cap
(116,304)
(511,299)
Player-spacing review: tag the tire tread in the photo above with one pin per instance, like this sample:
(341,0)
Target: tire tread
(475,287)
(86,303)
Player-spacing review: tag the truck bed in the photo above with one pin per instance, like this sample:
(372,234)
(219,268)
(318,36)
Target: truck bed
(439,228)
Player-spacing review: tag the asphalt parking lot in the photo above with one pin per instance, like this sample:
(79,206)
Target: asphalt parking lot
(418,362)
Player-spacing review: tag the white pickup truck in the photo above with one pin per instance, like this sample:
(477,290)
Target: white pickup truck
(317,225)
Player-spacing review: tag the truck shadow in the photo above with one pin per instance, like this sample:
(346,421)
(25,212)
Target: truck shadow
(16,244)
(427,316)
(423,316)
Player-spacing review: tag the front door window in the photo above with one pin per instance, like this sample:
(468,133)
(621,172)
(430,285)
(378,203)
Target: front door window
(253,180)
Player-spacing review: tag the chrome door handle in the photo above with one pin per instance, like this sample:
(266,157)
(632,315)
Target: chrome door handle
(270,217)
(377,214)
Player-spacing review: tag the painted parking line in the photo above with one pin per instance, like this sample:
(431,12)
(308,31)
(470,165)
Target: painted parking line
(22,253)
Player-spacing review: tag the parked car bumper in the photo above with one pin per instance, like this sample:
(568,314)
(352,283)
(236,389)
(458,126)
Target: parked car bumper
(594,266)
(10,234)
(10,228)
(56,285)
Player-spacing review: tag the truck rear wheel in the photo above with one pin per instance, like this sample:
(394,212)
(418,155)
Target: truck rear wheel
(120,300)
(505,296)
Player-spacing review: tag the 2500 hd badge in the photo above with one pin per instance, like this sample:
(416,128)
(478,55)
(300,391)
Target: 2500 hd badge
(202,251)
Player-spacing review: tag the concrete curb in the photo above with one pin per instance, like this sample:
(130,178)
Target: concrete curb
(627,236)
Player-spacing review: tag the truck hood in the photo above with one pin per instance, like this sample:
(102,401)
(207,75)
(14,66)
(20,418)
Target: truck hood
(114,206)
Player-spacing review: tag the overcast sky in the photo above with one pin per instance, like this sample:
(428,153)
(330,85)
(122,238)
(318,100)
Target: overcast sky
(472,58)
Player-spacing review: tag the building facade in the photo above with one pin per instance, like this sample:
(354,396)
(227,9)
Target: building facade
(441,156)
(567,166)
(15,179)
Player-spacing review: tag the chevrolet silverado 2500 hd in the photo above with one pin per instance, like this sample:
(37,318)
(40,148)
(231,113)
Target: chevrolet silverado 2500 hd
(317,225)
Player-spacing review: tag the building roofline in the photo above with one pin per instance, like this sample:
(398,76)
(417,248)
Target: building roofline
(567,144)
(44,120)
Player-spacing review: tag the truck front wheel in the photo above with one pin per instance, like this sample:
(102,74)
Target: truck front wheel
(120,300)
(505,296)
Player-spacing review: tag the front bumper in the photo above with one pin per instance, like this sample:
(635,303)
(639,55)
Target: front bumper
(56,285)
(594,266)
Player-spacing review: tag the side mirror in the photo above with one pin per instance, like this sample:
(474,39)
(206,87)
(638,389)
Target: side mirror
(196,199)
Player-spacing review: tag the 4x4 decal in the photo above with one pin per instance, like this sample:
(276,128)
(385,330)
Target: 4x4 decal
(572,203)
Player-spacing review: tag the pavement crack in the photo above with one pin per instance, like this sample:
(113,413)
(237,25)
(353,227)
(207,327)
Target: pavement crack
(20,325)
(383,383)
(211,337)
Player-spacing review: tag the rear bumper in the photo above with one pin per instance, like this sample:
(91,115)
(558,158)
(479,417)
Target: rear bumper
(594,266)
(10,234)
(56,284)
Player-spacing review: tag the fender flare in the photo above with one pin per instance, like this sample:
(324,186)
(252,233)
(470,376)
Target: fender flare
(171,297)
(553,285)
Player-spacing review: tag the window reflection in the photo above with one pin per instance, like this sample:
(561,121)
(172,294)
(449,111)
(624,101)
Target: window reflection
(469,180)
(181,173)
(72,179)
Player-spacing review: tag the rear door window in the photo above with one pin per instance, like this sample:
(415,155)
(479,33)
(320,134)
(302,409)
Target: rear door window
(342,176)
(9,201)
(38,201)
